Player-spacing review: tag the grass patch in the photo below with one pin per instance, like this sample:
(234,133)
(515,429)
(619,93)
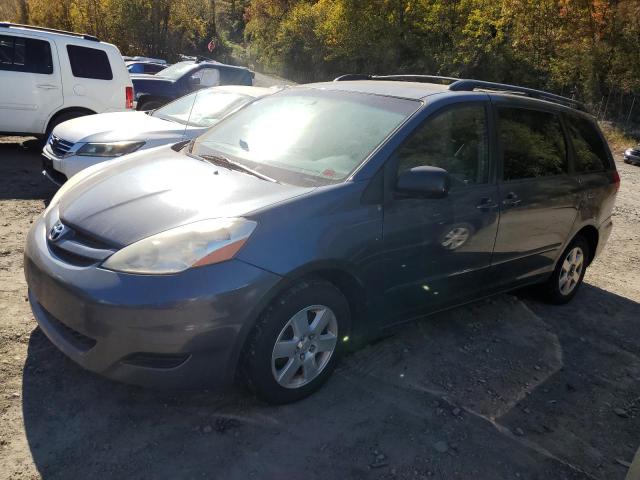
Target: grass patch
(620,138)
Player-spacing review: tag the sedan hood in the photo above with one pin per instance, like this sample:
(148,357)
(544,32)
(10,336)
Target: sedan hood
(118,127)
(159,189)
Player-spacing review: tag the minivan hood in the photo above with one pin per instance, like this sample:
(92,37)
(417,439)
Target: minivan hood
(118,127)
(159,189)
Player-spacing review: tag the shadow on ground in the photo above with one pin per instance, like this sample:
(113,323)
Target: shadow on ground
(20,168)
(502,388)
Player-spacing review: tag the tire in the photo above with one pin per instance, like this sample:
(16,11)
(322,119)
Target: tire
(310,301)
(150,105)
(556,292)
(63,117)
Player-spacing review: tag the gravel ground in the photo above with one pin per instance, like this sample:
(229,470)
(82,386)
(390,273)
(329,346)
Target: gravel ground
(506,388)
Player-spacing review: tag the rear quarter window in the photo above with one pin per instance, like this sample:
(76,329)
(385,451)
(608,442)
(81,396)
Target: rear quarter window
(89,63)
(533,143)
(588,146)
(29,55)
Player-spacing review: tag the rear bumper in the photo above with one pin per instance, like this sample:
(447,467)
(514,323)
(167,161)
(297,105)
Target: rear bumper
(179,330)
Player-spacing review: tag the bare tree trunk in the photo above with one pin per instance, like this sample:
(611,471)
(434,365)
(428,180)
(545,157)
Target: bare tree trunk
(24,11)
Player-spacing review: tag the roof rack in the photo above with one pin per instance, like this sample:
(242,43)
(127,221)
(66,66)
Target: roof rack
(465,85)
(470,85)
(52,30)
(397,78)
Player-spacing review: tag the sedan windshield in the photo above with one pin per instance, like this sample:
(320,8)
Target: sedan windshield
(307,137)
(202,108)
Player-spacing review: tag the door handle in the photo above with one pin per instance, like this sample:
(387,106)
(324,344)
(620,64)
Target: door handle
(45,86)
(511,200)
(486,204)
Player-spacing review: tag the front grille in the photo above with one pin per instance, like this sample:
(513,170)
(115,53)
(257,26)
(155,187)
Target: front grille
(78,340)
(156,360)
(79,248)
(58,146)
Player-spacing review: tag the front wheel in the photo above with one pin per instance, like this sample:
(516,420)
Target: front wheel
(296,343)
(569,273)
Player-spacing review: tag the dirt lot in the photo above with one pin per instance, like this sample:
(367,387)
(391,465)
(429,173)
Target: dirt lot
(504,388)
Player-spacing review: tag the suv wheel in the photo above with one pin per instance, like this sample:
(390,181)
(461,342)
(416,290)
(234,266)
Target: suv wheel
(296,343)
(568,275)
(63,117)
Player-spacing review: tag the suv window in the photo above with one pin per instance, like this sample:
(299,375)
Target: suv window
(590,150)
(89,63)
(455,140)
(533,143)
(29,55)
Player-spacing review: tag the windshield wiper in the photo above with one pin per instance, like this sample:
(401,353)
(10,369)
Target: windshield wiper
(231,165)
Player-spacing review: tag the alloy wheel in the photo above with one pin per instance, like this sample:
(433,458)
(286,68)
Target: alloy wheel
(304,346)
(571,271)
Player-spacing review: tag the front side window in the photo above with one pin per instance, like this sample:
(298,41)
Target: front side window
(306,137)
(590,150)
(202,108)
(209,77)
(29,55)
(533,143)
(89,63)
(456,141)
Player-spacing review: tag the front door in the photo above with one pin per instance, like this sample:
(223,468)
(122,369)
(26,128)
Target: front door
(439,250)
(538,198)
(31,85)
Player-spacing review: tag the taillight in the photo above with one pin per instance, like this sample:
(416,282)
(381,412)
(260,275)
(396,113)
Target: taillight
(128,93)
(616,180)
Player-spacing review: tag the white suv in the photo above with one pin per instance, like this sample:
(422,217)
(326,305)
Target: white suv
(50,76)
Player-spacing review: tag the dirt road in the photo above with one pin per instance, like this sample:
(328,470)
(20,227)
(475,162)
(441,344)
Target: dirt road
(502,389)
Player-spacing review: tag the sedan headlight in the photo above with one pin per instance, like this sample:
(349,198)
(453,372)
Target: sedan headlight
(116,149)
(200,243)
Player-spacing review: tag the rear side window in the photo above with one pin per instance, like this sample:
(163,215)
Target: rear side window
(29,55)
(590,150)
(455,140)
(533,143)
(89,63)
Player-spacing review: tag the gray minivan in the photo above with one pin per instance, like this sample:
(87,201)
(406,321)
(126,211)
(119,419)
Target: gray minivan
(313,220)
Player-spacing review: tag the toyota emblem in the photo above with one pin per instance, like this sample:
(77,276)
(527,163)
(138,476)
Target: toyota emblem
(57,231)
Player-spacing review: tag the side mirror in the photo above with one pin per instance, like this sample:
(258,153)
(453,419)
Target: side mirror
(425,182)
(194,81)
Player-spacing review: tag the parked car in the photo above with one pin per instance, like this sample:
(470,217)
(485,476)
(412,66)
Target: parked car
(80,143)
(50,76)
(185,77)
(632,155)
(138,58)
(314,219)
(149,68)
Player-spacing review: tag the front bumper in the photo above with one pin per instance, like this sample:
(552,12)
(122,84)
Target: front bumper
(182,330)
(67,166)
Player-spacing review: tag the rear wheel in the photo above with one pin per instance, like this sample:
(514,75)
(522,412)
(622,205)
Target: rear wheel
(569,273)
(150,105)
(63,117)
(296,343)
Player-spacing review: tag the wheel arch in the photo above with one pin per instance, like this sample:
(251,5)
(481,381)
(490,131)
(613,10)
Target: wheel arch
(84,110)
(591,234)
(147,97)
(338,274)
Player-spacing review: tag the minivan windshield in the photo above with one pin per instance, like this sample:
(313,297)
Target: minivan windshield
(306,136)
(202,108)
(175,71)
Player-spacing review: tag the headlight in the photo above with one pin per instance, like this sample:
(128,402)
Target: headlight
(108,149)
(176,250)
